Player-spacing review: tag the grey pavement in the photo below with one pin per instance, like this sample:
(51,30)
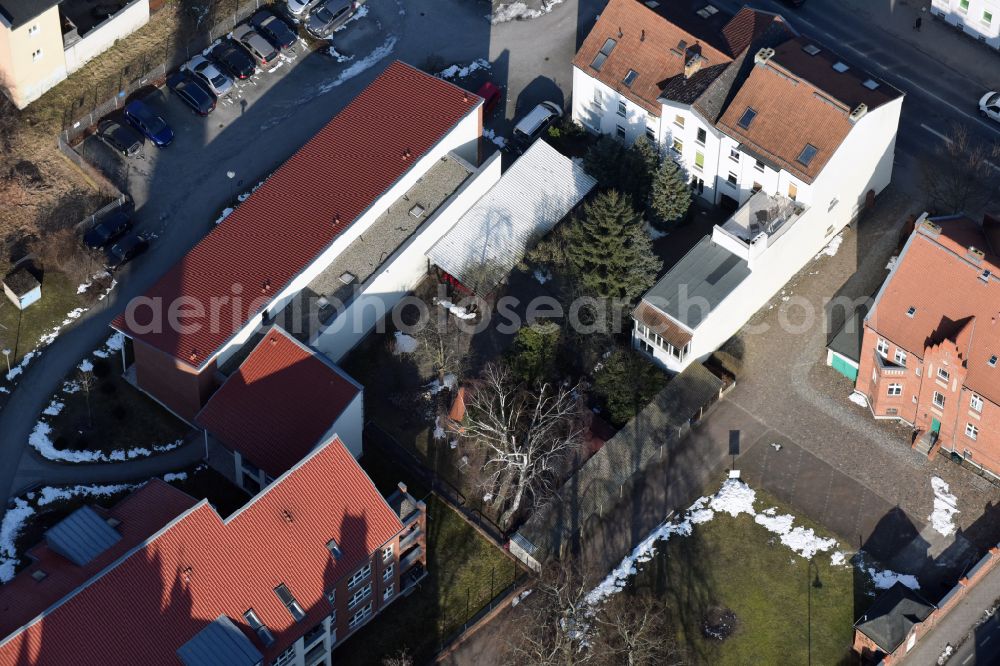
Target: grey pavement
(178,192)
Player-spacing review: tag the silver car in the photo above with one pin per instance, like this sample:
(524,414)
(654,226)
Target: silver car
(329,16)
(206,70)
(261,49)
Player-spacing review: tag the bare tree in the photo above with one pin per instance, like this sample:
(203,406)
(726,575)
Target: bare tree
(443,345)
(527,435)
(86,381)
(399,658)
(963,174)
(634,630)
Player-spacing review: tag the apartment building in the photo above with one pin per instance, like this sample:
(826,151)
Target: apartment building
(979,19)
(931,340)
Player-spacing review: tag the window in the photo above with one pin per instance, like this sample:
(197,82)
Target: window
(891,411)
(677,146)
(360,595)
(793,191)
(33,30)
(731,179)
(971,431)
(807,154)
(758,165)
(314,635)
(387,553)
(388,592)
(963,6)
(620,131)
(900,357)
(622,108)
(911,311)
(651,134)
(987,18)
(598,98)
(841,66)
(259,628)
(679,120)
(388,573)
(699,160)
(290,603)
(331,596)
(734,154)
(361,616)
(334,549)
(286,657)
(895,389)
(360,575)
(630,77)
(833,204)
(976,403)
(938,400)
(36,55)
(747,118)
(993,361)
(882,347)
(602,55)
(943,375)
(702,135)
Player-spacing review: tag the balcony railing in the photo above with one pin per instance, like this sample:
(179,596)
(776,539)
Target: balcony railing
(409,539)
(408,559)
(888,368)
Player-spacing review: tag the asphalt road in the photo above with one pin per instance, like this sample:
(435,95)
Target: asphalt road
(983,649)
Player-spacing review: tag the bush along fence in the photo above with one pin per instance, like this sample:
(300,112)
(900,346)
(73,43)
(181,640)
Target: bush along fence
(175,55)
(602,482)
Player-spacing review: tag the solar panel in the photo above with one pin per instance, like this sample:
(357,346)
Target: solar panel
(747,118)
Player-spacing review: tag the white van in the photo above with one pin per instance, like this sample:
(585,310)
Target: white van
(536,122)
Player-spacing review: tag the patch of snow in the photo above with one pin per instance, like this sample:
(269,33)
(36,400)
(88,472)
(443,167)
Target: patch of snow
(40,439)
(838,558)
(460,72)
(435,386)
(13,522)
(885,579)
(369,61)
(54,408)
(175,476)
(892,262)
(542,276)
(51,494)
(775,446)
(44,341)
(655,233)
(337,55)
(520,597)
(858,399)
(518,11)
(226,212)
(438,429)
(945,507)
(405,344)
(734,498)
(831,249)
(456,310)
(500,141)
(85,366)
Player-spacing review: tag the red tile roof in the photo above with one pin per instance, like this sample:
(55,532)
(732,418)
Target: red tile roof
(141,514)
(278,405)
(943,304)
(295,215)
(660,323)
(152,601)
(800,99)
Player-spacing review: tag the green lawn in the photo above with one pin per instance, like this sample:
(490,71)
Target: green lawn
(119,415)
(20,330)
(738,564)
(465,571)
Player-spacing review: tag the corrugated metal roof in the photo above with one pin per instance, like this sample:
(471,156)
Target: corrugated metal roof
(535,193)
(82,536)
(698,283)
(300,209)
(220,644)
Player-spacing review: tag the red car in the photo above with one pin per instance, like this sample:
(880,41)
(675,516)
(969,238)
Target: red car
(491,94)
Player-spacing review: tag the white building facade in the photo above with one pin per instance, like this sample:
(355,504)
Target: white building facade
(979,19)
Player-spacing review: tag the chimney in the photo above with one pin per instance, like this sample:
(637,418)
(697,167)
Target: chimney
(287,516)
(930,228)
(858,113)
(975,255)
(693,64)
(763,56)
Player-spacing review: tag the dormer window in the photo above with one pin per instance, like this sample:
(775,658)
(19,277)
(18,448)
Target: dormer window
(285,595)
(334,549)
(259,628)
(630,77)
(747,118)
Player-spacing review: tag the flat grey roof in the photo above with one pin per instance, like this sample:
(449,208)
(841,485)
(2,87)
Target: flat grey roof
(847,341)
(221,643)
(698,283)
(81,536)
(18,12)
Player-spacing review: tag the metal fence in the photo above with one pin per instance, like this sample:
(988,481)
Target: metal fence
(123,85)
(89,221)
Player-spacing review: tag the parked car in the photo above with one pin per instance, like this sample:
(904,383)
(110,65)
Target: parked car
(206,70)
(491,97)
(274,30)
(153,127)
(259,48)
(536,122)
(122,138)
(108,230)
(989,106)
(125,251)
(329,16)
(234,59)
(300,8)
(193,92)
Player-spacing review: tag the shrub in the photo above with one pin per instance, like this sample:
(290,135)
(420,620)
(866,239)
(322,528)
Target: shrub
(626,383)
(533,355)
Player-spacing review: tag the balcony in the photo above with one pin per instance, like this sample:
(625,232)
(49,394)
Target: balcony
(407,560)
(409,539)
(757,224)
(410,579)
(888,368)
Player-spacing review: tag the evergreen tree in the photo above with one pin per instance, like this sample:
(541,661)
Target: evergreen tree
(608,251)
(533,356)
(628,170)
(671,194)
(626,383)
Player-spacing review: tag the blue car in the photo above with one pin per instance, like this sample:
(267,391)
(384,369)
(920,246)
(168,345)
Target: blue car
(146,121)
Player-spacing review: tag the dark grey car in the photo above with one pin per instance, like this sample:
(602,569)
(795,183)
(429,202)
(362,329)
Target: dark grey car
(330,15)
(122,138)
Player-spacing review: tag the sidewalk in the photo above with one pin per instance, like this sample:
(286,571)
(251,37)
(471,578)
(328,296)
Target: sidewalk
(967,58)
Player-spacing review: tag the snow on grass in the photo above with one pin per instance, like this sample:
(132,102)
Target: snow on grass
(13,522)
(175,476)
(945,507)
(456,310)
(226,212)
(54,408)
(85,366)
(41,440)
(655,233)
(460,72)
(734,498)
(858,399)
(839,558)
(518,11)
(438,429)
(369,61)
(82,289)
(831,249)
(541,275)
(450,381)
(51,494)
(44,341)
(885,579)
(337,55)
(405,344)
(499,141)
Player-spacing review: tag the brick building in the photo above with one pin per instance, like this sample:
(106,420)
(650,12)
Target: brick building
(932,340)
(163,579)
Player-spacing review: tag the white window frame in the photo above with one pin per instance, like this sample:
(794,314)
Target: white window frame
(388,573)
(938,400)
(679,120)
(976,403)
(622,108)
(882,347)
(360,595)
(697,154)
(359,618)
(734,155)
(33,30)
(621,132)
(900,357)
(987,21)
(36,55)
(733,179)
(388,592)
(698,133)
(387,553)
(598,100)
(943,375)
(360,575)
(894,389)
(674,146)
(971,431)
(285,657)
(758,165)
